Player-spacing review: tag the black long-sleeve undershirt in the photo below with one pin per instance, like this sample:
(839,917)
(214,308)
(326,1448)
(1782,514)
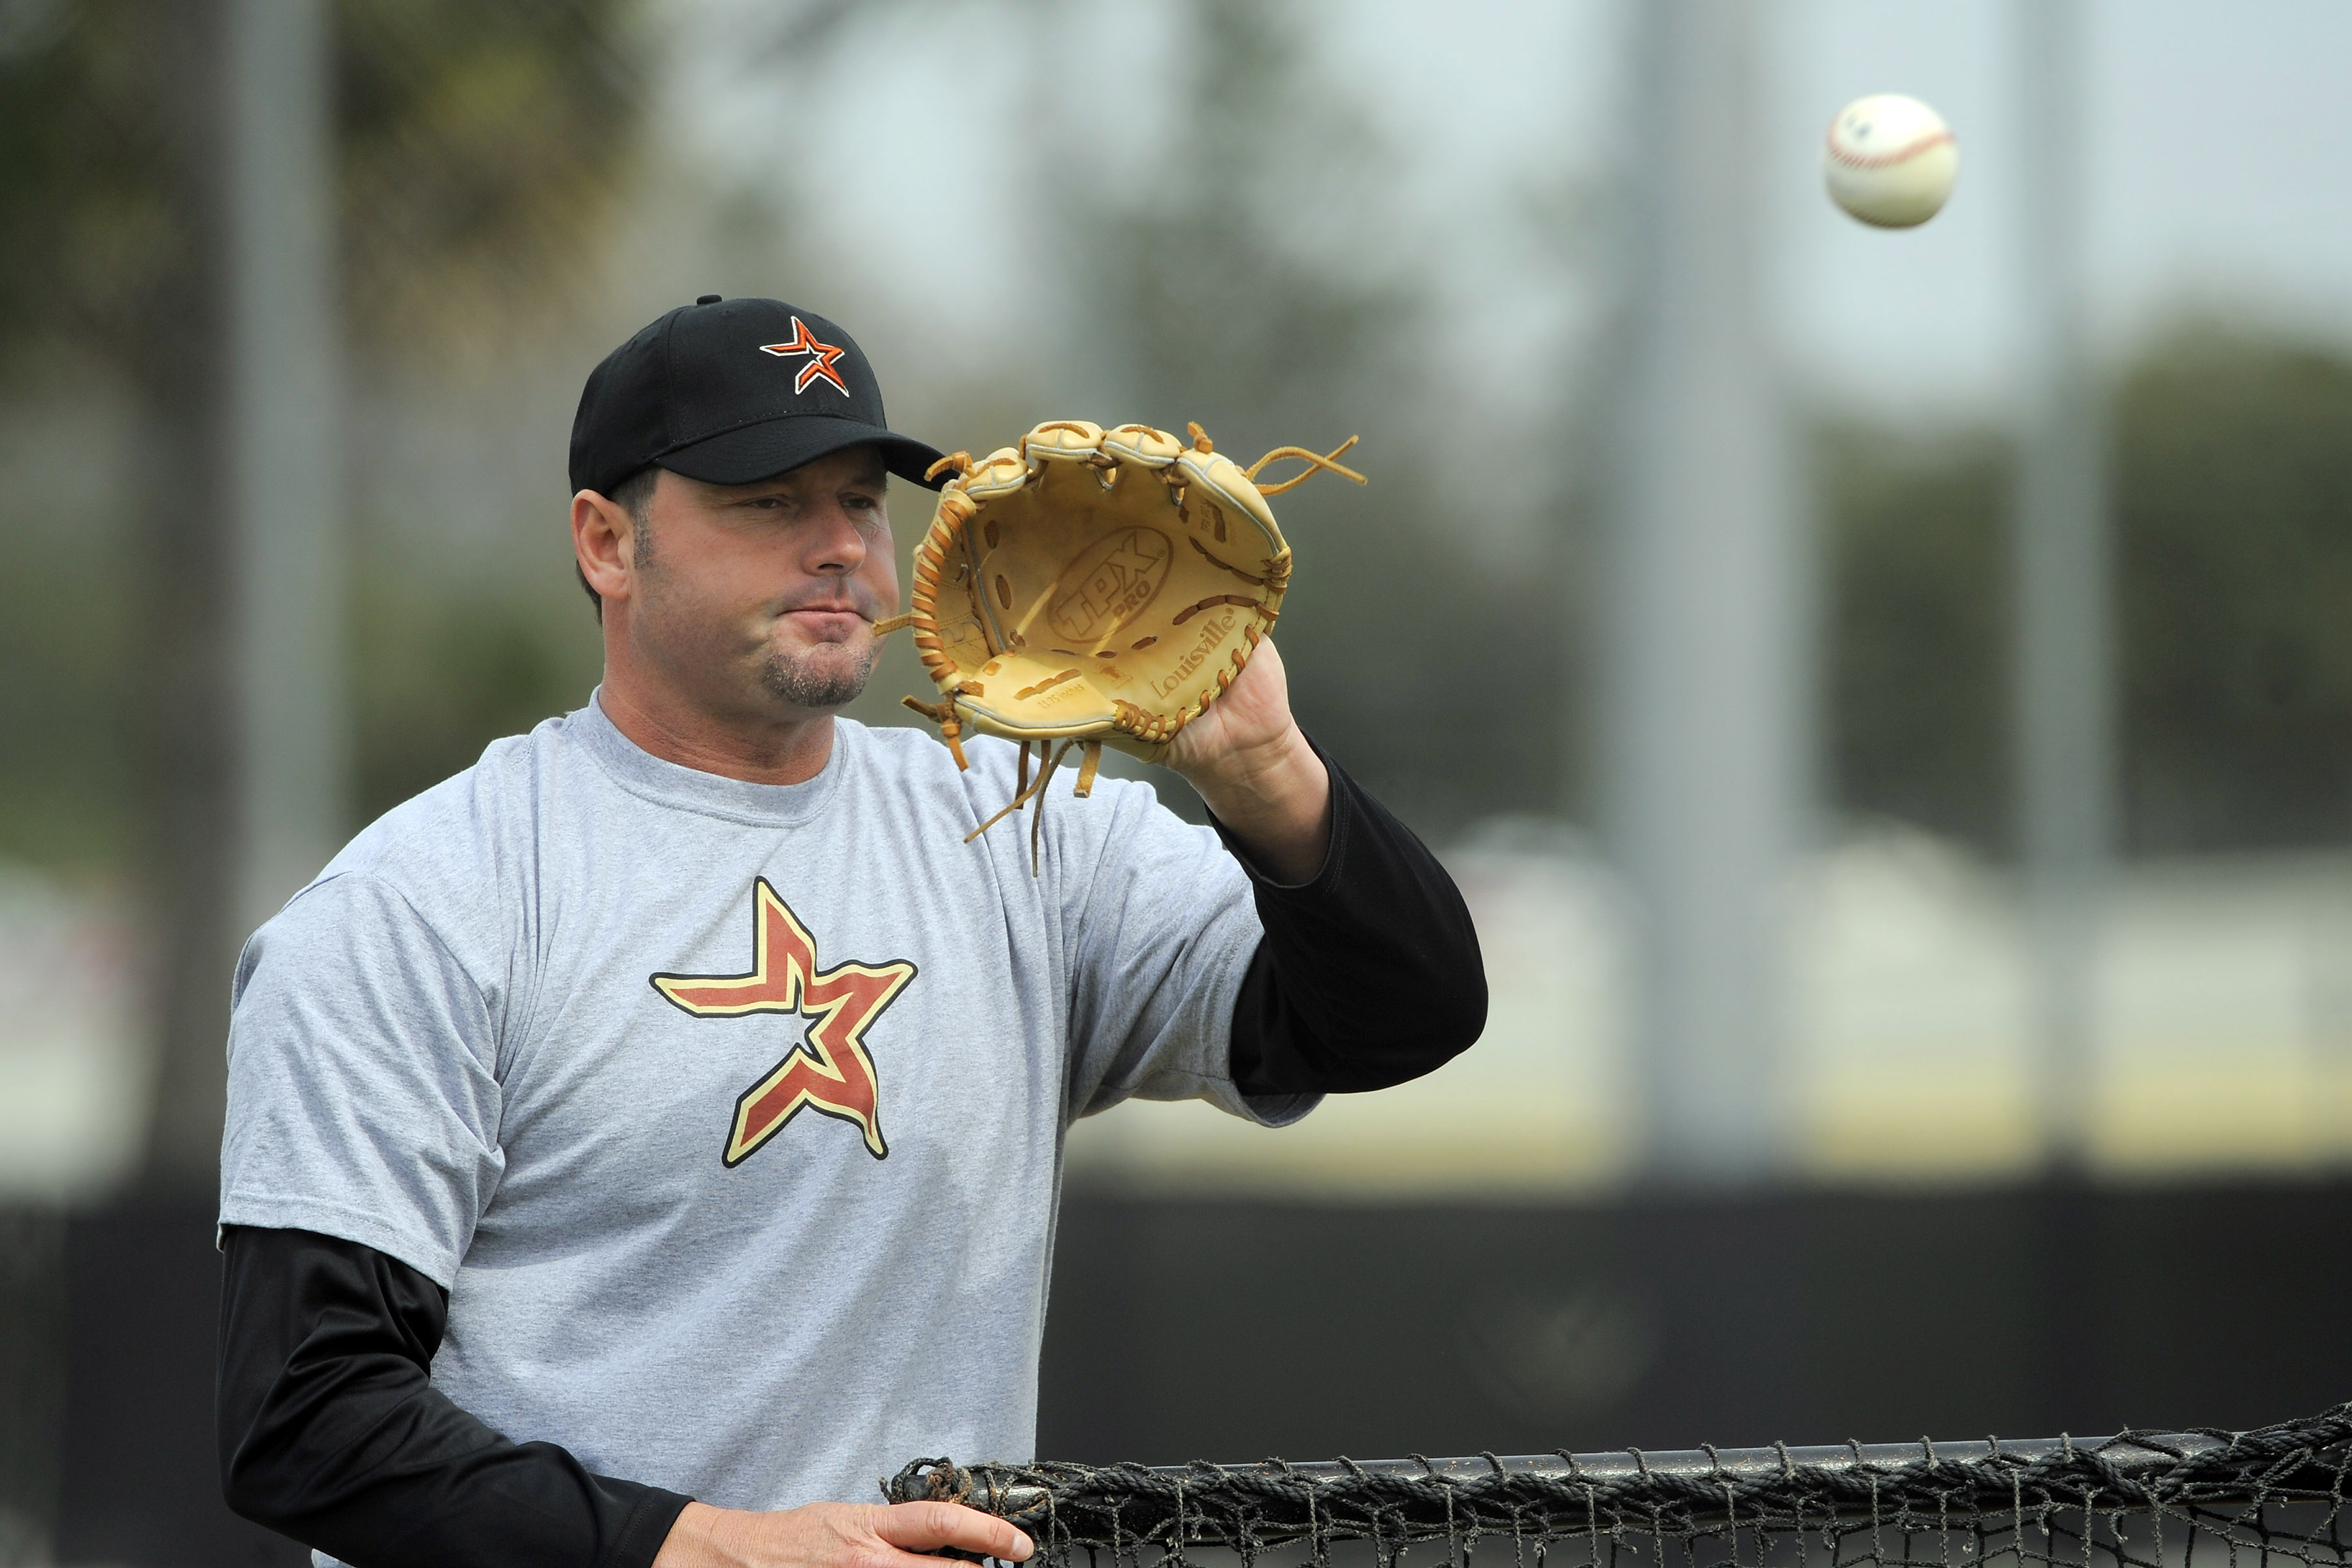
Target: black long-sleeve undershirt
(329,1432)
(1368,974)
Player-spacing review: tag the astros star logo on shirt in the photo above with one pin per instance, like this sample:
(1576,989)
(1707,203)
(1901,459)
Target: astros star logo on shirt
(829,1071)
(820,358)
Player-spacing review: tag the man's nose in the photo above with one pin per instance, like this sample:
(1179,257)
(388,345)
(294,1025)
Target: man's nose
(837,543)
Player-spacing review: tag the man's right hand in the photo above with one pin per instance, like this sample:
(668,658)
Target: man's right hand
(835,1535)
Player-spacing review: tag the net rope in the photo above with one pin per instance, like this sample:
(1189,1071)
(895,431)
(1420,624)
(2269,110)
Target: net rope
(2190,1499)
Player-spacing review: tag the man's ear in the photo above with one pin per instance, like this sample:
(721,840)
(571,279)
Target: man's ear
(605,542)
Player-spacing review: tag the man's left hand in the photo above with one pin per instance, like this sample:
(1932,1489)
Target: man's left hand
(1248,760)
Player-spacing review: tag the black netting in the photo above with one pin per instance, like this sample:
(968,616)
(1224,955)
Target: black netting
(2174,1499)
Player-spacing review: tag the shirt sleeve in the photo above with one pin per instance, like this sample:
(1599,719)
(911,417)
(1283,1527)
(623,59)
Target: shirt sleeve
(1196,977)
(1158,929)
(363,1097)
(330,1433)
(1369,973)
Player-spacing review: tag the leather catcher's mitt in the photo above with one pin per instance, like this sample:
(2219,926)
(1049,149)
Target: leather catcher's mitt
(1091,587)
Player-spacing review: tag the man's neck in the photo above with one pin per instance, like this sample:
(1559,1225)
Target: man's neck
(778,752)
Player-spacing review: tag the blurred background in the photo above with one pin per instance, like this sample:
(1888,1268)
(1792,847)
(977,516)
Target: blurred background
(1887,697)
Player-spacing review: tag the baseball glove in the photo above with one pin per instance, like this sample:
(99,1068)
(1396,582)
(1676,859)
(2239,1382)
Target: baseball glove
(1093,587)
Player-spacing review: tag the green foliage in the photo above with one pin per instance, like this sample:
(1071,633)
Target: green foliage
(481,143)
(101,169)
(2232,519)
(2234,507)
(1231,296)
(438,676)
(1916,555)
(67,707)
(1266,290)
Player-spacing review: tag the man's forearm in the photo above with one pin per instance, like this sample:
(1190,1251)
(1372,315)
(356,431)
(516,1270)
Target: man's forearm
(1369,974)
(331,1433)
(1275,801)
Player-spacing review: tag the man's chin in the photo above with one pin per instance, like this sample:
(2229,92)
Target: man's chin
(831,675)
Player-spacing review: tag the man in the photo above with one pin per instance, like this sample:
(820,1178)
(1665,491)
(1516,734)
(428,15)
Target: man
(528,1239)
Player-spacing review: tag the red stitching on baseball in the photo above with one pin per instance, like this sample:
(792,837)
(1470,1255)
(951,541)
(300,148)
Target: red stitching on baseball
(1882,159)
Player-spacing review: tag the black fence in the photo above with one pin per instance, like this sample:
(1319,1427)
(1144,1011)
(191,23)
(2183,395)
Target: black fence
(1234,1330)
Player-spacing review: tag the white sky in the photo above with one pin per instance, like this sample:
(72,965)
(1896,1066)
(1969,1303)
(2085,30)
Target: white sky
(2220,161)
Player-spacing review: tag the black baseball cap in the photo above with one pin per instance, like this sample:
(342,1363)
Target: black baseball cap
(733,391)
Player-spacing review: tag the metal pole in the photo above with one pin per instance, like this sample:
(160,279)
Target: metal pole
(1703,709)
(2063,711)
(288,477)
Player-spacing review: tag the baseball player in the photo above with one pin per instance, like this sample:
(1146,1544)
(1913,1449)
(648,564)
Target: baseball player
(643,1141)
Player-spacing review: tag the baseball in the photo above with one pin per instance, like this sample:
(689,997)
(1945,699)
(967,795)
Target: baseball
(1890,160)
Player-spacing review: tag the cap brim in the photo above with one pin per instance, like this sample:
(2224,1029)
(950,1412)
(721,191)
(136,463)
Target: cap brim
(762,451)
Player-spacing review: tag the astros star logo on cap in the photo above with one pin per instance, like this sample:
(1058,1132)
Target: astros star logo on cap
(820,358)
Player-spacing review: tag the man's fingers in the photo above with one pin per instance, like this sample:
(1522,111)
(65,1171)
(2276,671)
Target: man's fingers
(882,1554)
(927,1526)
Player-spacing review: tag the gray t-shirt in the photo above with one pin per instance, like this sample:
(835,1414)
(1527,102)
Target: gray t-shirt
(731,1115)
